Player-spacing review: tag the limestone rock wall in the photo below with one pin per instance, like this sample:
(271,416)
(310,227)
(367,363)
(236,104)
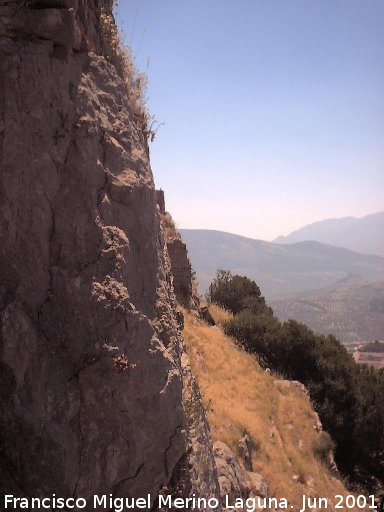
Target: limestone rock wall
(160,199)
(184,284)
(91,378)
(178,255)
(181,270)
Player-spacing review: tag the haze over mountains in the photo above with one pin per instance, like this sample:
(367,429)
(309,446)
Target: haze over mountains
(365,235)
(330,288)
(279,270)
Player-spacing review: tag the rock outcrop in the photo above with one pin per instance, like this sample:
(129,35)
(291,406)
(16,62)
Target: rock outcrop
(160,200)
(234,479)
(181,271)
(92,359)
(178,255)
(184,283)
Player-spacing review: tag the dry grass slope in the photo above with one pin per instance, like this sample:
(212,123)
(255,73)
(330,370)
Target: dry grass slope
(240,397)
(220,315)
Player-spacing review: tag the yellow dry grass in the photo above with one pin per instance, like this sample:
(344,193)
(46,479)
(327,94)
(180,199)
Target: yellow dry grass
(219,315)
(278,417)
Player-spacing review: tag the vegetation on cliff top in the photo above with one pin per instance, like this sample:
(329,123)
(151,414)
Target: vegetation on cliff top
(120,55)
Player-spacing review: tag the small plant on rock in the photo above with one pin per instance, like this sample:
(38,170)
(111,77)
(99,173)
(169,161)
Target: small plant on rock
(120,55)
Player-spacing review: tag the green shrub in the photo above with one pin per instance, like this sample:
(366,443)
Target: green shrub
(236,293)
(347,396)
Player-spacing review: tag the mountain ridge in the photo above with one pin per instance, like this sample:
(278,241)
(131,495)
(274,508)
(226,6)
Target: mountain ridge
(279,269)
(360,234)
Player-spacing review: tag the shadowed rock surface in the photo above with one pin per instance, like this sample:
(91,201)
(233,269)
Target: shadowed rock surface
(92,377)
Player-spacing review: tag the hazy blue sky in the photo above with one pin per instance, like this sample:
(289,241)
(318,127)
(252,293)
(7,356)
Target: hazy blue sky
(272,109)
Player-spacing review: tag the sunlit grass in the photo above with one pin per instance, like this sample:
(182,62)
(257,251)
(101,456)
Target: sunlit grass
(219,315)
(240,397)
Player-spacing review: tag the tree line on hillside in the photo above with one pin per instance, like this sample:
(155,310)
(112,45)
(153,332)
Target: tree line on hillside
(348,397)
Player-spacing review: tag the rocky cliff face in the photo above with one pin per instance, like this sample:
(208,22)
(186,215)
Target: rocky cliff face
(181,267)
(181,270)
(184,283)
(92,361)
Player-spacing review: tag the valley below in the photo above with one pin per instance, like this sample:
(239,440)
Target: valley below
(279,270)
(331,289)
(354,313)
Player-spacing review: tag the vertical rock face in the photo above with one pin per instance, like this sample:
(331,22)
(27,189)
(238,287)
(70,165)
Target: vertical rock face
(160,201)
(184,283)
(181,270)
(91,376)
(178,255)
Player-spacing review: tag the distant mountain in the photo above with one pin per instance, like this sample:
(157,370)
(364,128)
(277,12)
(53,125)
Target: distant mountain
(353,311)
(279,270)
(364,235)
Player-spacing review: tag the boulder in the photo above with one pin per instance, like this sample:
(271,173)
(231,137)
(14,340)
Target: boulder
(235,481)
(245,452)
